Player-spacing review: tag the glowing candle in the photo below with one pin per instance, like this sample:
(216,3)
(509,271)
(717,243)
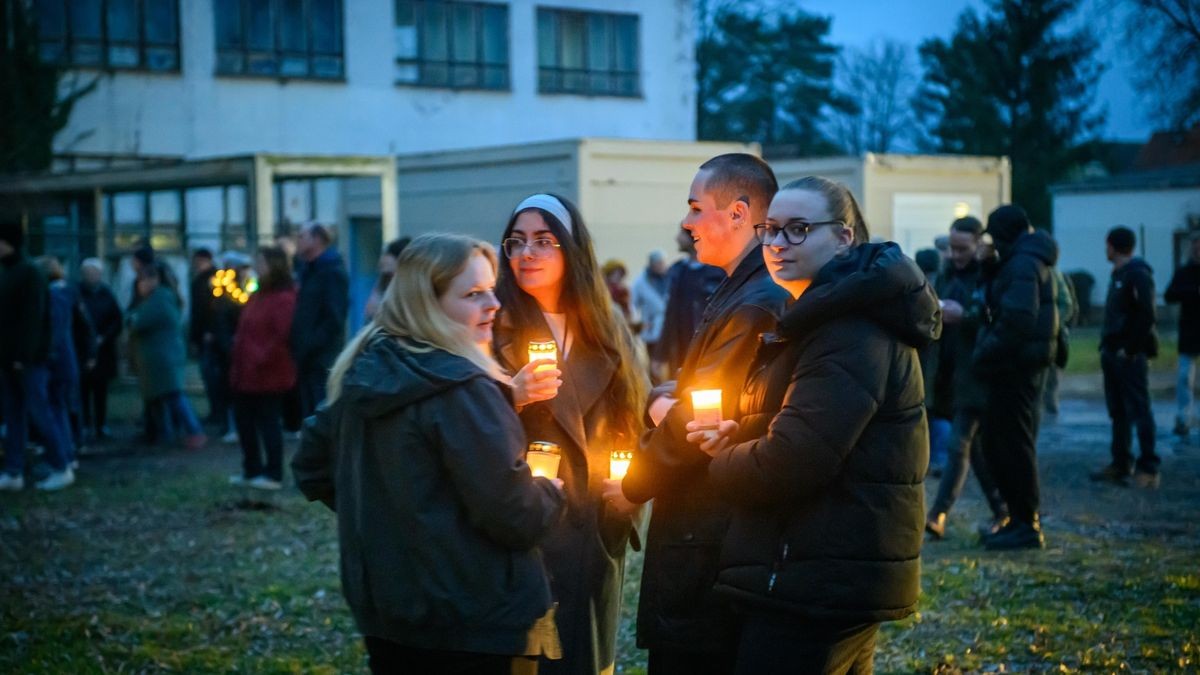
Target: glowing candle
(541,351)
(618,463)
(706,407)
(543,458)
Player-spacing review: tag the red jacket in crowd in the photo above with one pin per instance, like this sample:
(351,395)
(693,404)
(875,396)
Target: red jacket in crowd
(262,359)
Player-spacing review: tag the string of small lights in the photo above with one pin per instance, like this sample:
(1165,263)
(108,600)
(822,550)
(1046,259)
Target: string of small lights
(224,282)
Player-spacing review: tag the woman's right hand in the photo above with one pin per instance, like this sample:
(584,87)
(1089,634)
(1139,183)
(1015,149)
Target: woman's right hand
(712,441)
(531,385)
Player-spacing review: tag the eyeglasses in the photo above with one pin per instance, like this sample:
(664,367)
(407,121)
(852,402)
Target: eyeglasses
(541,248)
(794,231)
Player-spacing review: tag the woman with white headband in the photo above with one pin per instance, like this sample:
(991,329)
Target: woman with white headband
(550,288)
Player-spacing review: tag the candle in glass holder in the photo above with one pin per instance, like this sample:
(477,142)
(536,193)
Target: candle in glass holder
(618,463)
(706,408)
(541,351)
(543,458)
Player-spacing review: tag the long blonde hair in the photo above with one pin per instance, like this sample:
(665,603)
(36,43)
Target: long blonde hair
(410,310)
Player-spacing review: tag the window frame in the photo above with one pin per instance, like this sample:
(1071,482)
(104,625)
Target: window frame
(449,63)
(559,72)
(68,44)
(277,52)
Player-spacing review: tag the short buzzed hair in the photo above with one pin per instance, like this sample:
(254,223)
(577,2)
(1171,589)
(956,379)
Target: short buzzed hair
(1122,239)
(969,225)
(738,175)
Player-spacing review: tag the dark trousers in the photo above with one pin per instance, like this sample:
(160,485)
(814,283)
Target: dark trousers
(214,371)
(94,392)
(965,452)
(1010,428)
(387,657)
(1126,392)
(311,386)
(26,400)
(773,644)
(667,661)
(260,416)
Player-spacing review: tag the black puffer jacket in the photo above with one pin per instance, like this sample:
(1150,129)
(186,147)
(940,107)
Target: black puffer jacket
(1021,324)
(422,457)
(1129,314)
(827,483)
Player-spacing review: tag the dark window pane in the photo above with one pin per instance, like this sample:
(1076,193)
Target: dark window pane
(162,58)
(627,44)
(547,38)
(51,22)
(463,37)
(90,53)
(160,21)
(433,32)
(325,25)
(495,77)
(260,33)
(122,21)
(85,19)
(495,34)
(435,74)
(291,26)
(466,76)
(52,52)
(405,35)
(327,66)
(228,23)
(599,41)
(123,56)
(261,64)
(230,62)
(293,66)
(573,35)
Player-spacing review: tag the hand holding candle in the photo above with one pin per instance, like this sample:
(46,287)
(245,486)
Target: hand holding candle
(618,463)
(543,458)
(546,350)
(706,408)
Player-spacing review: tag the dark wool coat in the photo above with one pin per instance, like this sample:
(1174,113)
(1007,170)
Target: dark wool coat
(438,514)
(585,552)
(24,311)
(1185,290)
(678,608)
(955,385)
(828,489)
(106,317)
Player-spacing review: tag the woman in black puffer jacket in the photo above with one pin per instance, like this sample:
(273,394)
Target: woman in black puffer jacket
(825,466)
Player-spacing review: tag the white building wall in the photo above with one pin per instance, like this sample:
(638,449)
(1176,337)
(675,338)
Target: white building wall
(1082,219)
(196,114)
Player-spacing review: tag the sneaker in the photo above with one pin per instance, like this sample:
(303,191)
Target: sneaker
(11,481)
(1112,474)
(1015,536)
(992,527)
(238,480)
(195,442)
(230,438)
(57,480)
(1145,480)
(936,525)
(264,483)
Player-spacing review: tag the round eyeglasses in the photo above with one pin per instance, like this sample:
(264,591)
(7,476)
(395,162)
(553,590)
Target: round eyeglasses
(540,248)
(794,231)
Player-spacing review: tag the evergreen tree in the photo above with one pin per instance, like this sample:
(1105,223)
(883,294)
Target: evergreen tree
(1015,82)
(32,111)
(765,78)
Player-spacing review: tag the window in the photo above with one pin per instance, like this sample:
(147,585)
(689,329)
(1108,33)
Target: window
(459,45)
(587,53)
(128,34)
(280,38)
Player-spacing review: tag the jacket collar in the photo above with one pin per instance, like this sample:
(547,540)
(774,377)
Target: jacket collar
(749,268)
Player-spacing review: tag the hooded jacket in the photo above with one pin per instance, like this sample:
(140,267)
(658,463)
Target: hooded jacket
(1021,324)
(319,325)
(422,457)
(1129,311)
(827,481)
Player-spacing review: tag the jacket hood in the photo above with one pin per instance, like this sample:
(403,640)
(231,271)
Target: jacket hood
(1038,244)
(874,280)
(387,376)
(1136,263)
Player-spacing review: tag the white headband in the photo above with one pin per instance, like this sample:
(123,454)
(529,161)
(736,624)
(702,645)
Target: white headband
(550,204)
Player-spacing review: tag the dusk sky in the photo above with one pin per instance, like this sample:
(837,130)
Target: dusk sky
(858,22)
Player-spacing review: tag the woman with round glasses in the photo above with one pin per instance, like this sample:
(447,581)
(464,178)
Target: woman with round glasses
(824,469)
(550,288)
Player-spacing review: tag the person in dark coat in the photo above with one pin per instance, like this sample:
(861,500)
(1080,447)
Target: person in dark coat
(24,374)
(1127,341)
(690,283)
(681,620)
(105,314)
(955,388)
(222,320)
(200,337)
(1015,346)
(63,362)
(929,260)
(319,327)
(551,288)
(420,453)
(1184,290)
(261,371)
(825,466)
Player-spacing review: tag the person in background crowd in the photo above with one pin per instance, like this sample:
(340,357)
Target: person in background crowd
(1015,345)
(681,620)
(1068,310)
(955,387)
(930,262)
(614,278)
(24,375)
(437,530)
(224,311)
(63,386)
(825,462)
(690,283)
(262,370)
(154,323)
(1127,341)
(942,244)
(291,400)
(319,327)
(550,287)
(649,302)
(1184,290)
(106,317)
(387,269)
(200,337)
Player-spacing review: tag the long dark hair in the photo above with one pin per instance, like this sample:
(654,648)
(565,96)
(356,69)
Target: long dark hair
(586,302)
(279,270)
